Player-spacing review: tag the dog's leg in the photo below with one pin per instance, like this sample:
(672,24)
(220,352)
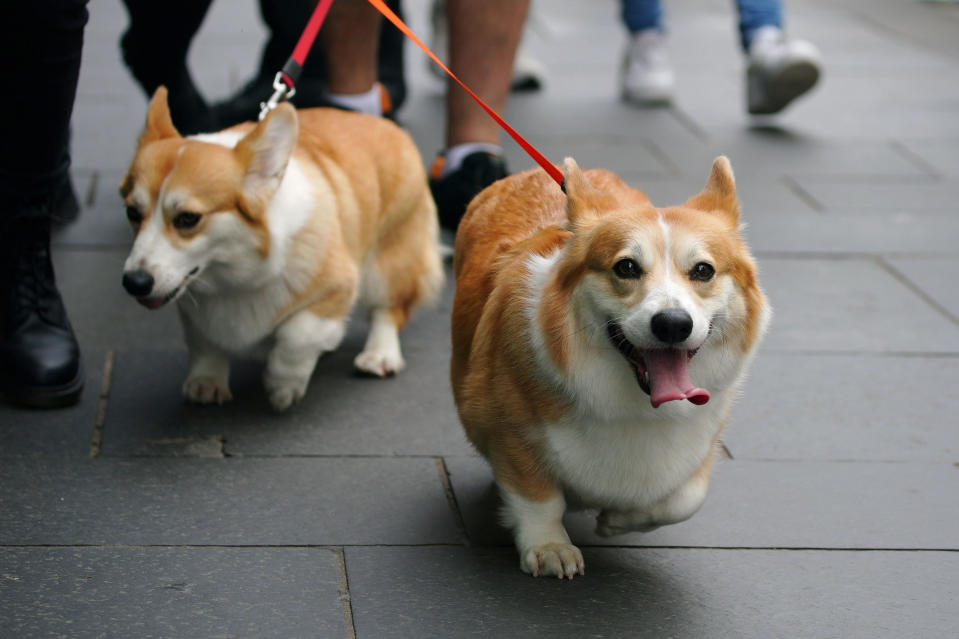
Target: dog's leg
(543,544)
(677,506)
(208,379)
(300,340)
(381,355)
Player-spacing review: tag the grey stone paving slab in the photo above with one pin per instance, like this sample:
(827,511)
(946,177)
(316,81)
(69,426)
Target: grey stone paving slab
(271,502)
(769,504)
(921,197)
(64,432)
(409,414)
(845,408)
(472,592)
(935,276)
(849,305)
(169,592)
(942,155)
(102,313)
(906,231)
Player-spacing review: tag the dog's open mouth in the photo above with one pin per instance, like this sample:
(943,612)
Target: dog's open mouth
(158,301)
(662,373)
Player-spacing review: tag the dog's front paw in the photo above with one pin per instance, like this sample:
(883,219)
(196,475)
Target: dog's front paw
(282,396)
(379,363)
(206,390)
(612,522)
(562,560)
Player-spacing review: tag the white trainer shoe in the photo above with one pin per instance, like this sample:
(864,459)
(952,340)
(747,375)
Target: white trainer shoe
(647,78)
(778,70)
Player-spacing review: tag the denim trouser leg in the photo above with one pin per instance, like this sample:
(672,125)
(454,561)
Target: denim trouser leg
(639,15)
(754,14)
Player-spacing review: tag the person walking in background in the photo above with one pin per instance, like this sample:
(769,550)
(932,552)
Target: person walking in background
(778,70)
(483,39)
(39,355)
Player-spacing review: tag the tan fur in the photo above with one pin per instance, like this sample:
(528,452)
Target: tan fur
(371,207)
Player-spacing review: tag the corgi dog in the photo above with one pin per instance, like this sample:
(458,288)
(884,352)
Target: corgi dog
(266,235)
(598,343)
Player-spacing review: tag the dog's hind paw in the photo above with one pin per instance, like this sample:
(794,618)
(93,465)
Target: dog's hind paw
(611,522)
(562,560)
(282,397)
(378,364)
(206,390)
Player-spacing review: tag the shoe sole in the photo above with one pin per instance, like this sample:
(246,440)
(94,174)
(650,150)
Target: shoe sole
(46,396)
(786,87)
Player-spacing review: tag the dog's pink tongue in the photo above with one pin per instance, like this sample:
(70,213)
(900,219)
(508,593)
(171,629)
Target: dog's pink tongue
(669,377)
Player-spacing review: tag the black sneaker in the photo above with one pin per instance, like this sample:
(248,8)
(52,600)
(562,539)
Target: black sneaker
(454,191)
(39,356)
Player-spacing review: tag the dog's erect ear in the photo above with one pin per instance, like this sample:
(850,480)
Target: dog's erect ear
(720,192)
(159,125)
(583,201)
(265,152)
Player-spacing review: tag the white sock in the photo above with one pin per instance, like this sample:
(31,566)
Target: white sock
(369,102)
(456,154)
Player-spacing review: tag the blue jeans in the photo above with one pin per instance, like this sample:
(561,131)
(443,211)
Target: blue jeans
(753,14)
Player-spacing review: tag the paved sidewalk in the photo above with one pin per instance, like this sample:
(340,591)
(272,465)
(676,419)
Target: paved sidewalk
(364,513)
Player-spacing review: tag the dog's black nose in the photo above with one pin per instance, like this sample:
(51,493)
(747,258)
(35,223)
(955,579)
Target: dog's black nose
(672,325)
(138,283)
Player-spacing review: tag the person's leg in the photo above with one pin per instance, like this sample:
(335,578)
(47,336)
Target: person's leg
(778,70)
(350,38)
(755,14)
(646,76)
(39,356)
(155,47)
(641,15)
(483,42)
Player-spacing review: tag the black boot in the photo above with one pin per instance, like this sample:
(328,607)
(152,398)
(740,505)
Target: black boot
(39,356)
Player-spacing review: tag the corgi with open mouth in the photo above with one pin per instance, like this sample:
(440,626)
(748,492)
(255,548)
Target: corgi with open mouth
(598,344)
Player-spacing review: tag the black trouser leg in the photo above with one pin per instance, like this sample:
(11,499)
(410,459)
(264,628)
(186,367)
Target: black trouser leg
(155,47)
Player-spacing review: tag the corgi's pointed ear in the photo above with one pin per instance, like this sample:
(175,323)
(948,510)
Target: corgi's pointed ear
(719,195)
(583,201)
(265,152)
(159,125)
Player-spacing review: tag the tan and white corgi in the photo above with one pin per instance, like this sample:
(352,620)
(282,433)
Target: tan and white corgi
(598,343)
(268,234)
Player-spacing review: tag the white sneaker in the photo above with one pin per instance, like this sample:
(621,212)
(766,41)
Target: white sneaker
(647,78)
(778,70)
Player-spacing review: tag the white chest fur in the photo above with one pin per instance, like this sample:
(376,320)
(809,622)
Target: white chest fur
(631,463)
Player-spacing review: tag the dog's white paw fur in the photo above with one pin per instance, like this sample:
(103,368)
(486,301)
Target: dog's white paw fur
(379,363)
(381,354)
(284,393)
(561,560)
(204,389)
(612,522)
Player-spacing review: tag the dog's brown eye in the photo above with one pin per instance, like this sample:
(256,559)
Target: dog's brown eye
(186,220)
(627,269)
(134,215)
(702,272)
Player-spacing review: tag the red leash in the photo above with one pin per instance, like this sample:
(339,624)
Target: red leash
(285,79)
(283,83)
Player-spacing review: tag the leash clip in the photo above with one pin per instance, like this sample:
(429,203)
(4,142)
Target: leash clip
(280,92)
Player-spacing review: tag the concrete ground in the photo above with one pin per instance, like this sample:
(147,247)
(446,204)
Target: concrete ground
(364,513)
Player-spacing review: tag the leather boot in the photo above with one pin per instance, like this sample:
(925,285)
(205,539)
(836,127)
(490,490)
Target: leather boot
(39,356)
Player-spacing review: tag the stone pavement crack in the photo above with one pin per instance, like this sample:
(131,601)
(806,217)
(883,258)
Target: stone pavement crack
(96,439)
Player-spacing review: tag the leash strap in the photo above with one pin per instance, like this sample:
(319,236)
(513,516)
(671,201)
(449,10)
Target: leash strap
(540,159)
(285,80)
